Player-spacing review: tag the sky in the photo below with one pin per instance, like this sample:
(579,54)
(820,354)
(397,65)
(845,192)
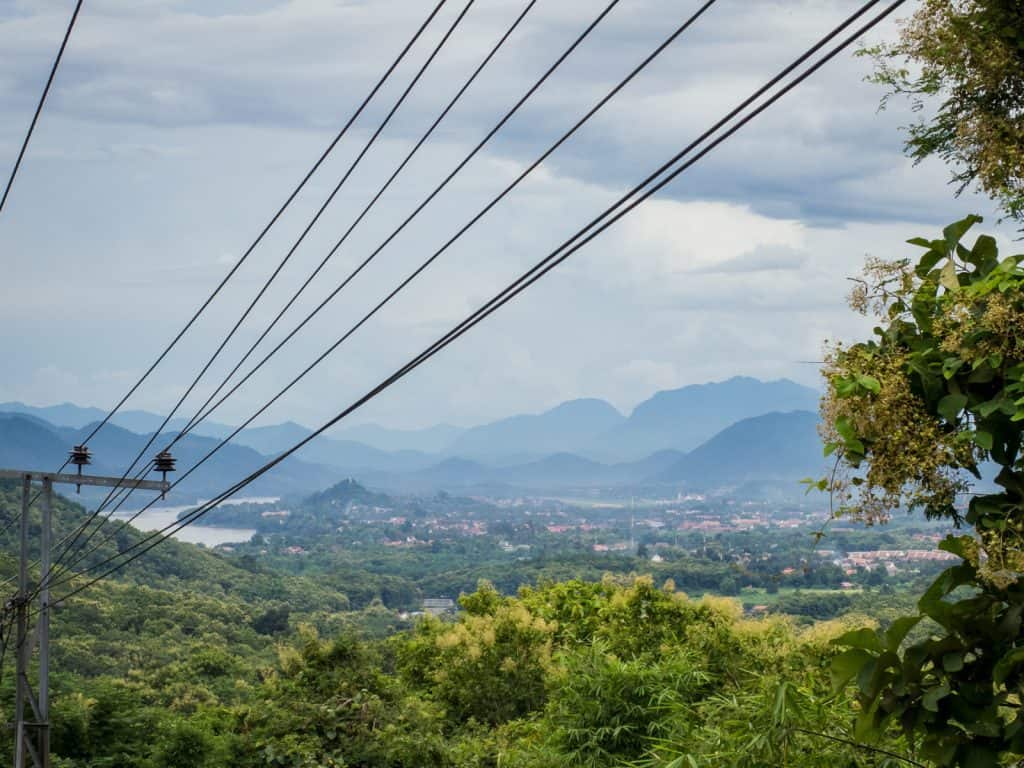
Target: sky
(176,128)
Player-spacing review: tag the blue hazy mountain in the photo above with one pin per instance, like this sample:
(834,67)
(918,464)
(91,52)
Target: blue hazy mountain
(770,453)
(564,428)
(682,419)
(775,447)
(28,443)
(580,443)
(76,416)
(429,440)
(773,450)
(349,455)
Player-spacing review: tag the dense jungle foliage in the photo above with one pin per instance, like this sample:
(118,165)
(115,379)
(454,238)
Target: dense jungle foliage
(188,659)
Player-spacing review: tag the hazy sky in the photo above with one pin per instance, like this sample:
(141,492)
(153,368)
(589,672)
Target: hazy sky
(176,128)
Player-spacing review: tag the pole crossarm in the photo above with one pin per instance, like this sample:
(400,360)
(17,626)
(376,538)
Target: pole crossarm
(98,480)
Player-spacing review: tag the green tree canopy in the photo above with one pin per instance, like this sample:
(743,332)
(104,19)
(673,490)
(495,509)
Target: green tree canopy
(962,62)
(938,395)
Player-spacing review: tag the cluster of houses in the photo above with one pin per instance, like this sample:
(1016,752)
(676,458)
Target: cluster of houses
(891,559)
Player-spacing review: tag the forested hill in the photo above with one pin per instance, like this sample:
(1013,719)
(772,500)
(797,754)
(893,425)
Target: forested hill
(170,566)
(193,658)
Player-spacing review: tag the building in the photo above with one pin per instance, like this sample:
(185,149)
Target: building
(438,606)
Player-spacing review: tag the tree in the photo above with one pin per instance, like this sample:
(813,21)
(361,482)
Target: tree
(967,55)
(490,666)
(605,710)
(272,621)
(937,395)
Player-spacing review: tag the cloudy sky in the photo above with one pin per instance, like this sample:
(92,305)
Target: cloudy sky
(177,127)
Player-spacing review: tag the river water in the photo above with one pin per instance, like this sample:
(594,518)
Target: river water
(155,518)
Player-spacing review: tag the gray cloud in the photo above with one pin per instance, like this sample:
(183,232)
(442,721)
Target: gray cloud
(176,128)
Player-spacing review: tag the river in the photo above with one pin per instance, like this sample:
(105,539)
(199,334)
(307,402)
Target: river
(155,518)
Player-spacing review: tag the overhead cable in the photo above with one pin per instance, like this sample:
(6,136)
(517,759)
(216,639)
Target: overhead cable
(39,106)
(199,414)
(609,217)
(249,251)
(268,226)
(583,35)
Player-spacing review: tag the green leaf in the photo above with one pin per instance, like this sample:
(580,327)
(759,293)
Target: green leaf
(845,429)
(950,366)
(933,696)
(864,728)
(865,639)
(953,661)
(830,448)
(1009,264)
(1006,665)
(989,407)
(844,387)
(815,485)
(983,439)
(949,279)
(897,632)
(950,407)
(957,545)
(928,261)
(985,253)
(955,231)
(869,383)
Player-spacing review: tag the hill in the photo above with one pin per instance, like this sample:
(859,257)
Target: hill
(76,416)
(561,429)
(778,448)
(429,440)
(26,442)
(348,455)
(344,494)
(682,419)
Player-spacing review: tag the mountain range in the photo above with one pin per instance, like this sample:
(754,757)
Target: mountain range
(726,434)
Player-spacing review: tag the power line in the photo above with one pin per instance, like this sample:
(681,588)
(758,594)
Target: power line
(586,32)
(269,281)
(28,138)
(419,208)
(259,238)
(39,107)
(538,271)
(267,227)
(199,415)
(452,240)
(614,91)
(195,418)
(248,252)
(68,536)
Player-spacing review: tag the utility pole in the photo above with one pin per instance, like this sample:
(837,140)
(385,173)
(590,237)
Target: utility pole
(32,710)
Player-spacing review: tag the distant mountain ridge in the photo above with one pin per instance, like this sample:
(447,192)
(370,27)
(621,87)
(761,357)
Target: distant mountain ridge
(564,428)
(29,443)
(767,447)
(428,440)
(676,436)
(76,416)
(768,453)
(681,419)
